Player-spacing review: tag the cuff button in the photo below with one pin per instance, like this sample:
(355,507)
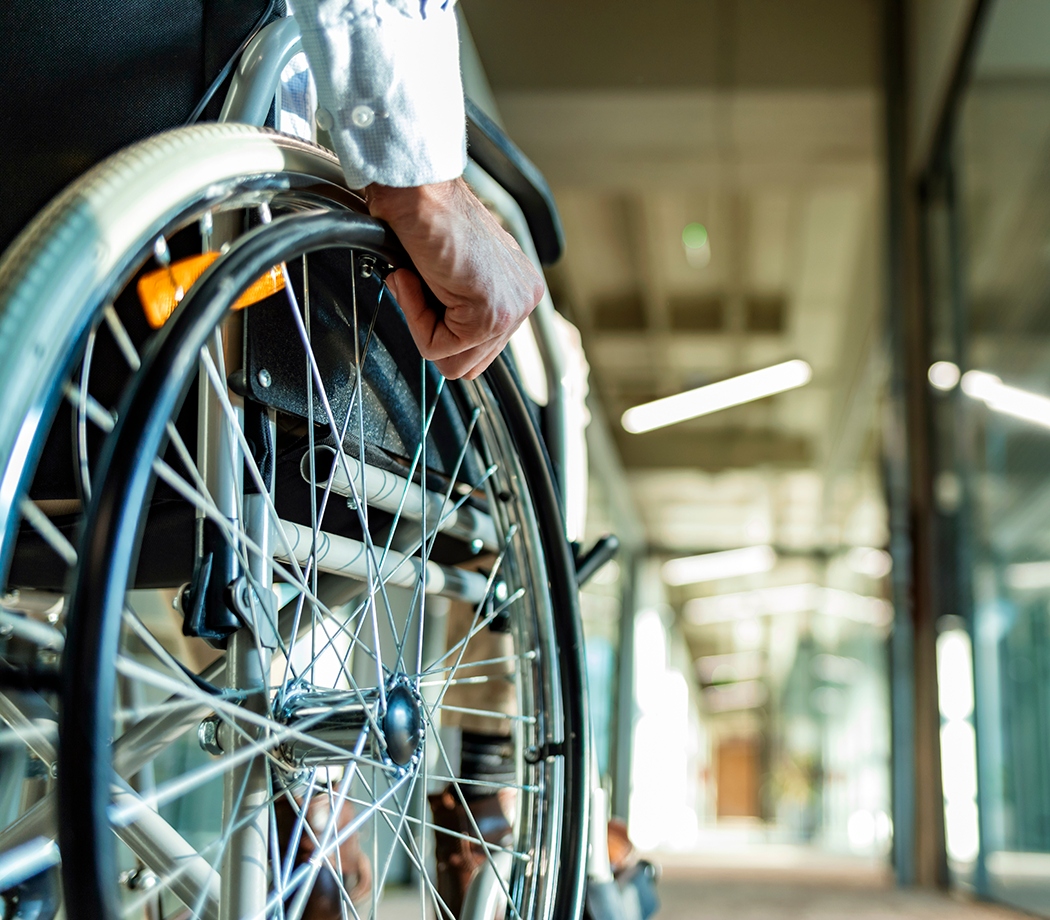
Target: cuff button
(362,116)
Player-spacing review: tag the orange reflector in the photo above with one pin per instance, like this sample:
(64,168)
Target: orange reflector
(161,291)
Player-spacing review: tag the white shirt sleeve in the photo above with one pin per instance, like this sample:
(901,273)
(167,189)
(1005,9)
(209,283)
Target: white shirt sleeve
(388,87)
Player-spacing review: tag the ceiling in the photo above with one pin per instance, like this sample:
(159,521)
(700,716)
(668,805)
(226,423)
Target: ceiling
(761,120)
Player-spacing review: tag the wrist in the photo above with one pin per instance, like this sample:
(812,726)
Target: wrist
(395,205)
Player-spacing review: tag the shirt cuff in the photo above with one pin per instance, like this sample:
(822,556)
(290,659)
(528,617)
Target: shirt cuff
(389,89)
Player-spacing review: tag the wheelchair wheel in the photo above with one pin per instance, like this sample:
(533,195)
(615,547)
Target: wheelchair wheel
(324,654)
(71,333)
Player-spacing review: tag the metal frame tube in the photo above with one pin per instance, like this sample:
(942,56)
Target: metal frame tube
(245,792)
(258,76)
(345,556)
(167,853)
(390,492)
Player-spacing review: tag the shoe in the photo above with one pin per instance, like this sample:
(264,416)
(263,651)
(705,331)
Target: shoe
(325,899)
(458,860)
(622,854)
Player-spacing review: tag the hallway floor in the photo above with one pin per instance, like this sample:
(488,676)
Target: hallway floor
(818,889)
(739,899)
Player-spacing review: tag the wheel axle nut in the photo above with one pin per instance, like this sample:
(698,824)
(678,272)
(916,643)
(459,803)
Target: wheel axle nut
(208,736)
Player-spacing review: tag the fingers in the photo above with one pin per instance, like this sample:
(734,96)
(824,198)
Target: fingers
(422,321)
(470,363)
(429,331)
(483,356)
(454,354)
(472,265)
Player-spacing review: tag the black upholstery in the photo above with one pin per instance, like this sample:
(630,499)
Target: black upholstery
(81,79)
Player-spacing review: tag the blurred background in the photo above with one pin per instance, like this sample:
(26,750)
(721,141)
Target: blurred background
(824,652)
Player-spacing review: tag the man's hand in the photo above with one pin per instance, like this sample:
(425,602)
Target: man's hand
(472,265)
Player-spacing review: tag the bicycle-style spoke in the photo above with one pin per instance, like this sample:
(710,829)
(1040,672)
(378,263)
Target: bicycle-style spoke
(333,836)
(402,815)
(486,713)
(360,495)
(282,529)
(402,818)
(121,337)
(387,574)
(311,569)
(476,627)
(428,545)
(469,815)
(279,734)
(196,893)
(54,537)
(212,512)
(416,857)
(359,500)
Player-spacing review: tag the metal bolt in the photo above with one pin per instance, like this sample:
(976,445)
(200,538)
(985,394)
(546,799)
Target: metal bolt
(52,770)
(138,879)
(368,265)
(476,545)
(264,377)
(208,735)
(181,599)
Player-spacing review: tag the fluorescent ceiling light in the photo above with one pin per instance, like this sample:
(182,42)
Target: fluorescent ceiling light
(788,599)
(1028,575)
(1006,399)
(715,396)
(707,567)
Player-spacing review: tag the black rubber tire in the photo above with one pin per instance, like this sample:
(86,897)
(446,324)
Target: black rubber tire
(113,529)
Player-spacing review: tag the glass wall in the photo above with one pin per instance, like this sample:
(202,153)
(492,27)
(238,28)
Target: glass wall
(988,260)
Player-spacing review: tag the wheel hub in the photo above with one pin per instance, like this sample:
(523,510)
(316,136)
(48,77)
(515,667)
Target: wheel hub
(402,724)
(328,725)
